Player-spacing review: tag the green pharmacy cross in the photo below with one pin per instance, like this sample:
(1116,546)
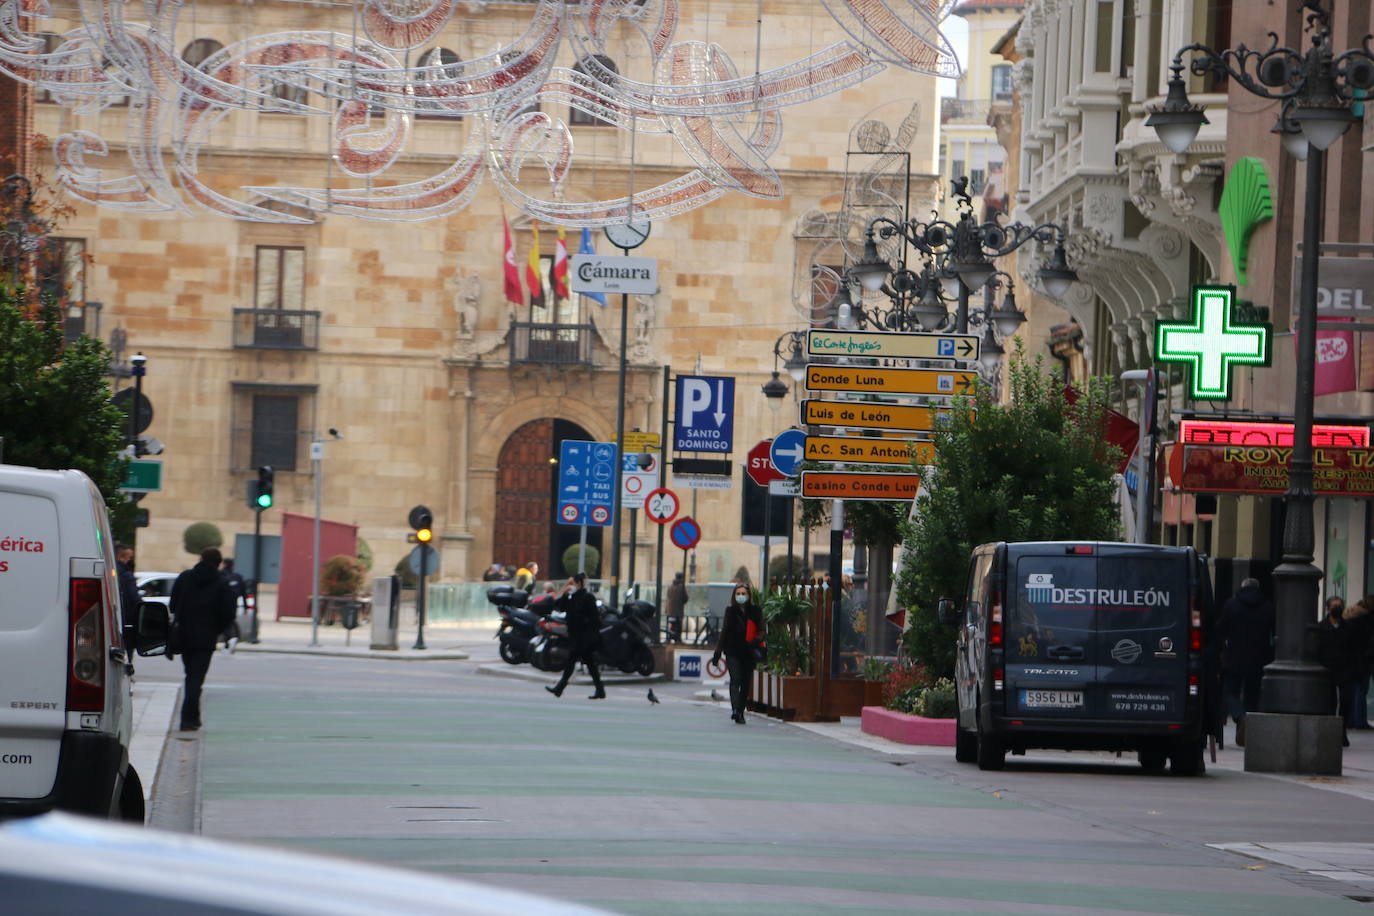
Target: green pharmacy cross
(1211,343)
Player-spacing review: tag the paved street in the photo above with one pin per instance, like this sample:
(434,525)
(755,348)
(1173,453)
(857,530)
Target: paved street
(673,809)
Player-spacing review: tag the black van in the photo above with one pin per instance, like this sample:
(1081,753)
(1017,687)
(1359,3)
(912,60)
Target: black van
(1083,646)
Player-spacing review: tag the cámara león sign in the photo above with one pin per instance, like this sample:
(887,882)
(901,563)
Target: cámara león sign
(605,273)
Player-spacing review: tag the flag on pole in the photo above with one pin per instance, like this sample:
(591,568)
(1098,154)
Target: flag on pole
(532,277)
(560,266)
(586,248)
(513,291)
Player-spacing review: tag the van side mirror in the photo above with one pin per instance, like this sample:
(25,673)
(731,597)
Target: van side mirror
(153,625)
(944,612)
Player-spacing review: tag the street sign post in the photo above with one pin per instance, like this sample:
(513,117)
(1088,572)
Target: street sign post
(661,505)
(863,450)
(640,442)
(890,381)
(685,533)
(865,415)
(705,412)
(787,451)
(892,345)
(638,475)
(858,485)
(586,482)
(144,476)
(758,465)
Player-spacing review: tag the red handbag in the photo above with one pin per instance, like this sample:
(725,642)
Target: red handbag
(751,631)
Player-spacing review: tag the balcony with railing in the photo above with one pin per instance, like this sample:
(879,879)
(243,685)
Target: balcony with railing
(552,344)
(276,329)
(965,111)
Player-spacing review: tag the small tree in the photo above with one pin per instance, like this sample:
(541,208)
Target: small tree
(569,559)
(200,535)
(1036,468)
(342,575)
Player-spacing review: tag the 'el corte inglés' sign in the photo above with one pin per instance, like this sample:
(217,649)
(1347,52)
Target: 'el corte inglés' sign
(606,273)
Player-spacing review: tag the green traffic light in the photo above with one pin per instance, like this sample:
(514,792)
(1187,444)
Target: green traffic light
(265,500)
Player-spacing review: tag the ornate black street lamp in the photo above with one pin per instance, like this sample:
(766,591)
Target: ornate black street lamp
(964,250)
(1318,88)
(795,363)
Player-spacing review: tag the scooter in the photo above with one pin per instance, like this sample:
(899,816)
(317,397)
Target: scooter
(519,623)
(626,641)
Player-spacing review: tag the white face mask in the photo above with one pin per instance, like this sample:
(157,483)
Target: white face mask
(741,599)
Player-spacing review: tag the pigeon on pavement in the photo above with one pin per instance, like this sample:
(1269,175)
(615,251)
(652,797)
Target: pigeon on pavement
(716,696)
(653,700)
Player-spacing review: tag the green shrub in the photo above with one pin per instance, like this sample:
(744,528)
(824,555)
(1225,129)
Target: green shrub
(200,535)
(365,554)
(593,566)
(939,701)
(342,575)
(779,568)
(405,573)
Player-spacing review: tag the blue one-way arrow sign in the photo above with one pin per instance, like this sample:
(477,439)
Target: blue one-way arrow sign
(705,409)
(787,450)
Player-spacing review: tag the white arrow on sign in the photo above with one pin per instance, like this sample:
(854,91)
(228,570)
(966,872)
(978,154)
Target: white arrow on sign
(796,452)
(720,402)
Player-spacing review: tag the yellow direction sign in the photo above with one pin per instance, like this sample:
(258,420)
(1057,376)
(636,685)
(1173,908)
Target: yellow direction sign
(864,415)
(892,345)
(889,381)
(857,485)
(862,450)
(640,442)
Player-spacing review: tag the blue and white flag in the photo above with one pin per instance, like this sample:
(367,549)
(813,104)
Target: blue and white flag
(586,248)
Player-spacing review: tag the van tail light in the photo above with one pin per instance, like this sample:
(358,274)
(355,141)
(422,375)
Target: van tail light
(997,681)
(1195,631)
(86,676)
(995,634)
(1192,685)
(1081,549)
(995,623)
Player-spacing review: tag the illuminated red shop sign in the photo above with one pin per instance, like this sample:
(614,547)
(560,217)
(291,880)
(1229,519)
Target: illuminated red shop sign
(1263,470)
(1236,432)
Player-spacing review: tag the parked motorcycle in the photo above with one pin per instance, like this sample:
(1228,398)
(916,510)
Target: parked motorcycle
(520,616)
(626,641)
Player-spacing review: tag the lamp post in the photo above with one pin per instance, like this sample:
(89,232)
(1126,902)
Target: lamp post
(775,389)
(317,459)
(1317,88)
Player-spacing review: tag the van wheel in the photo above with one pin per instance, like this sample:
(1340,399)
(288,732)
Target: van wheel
(1186,760)
(131,798)
(991,754)
(1152,759)
(965,745)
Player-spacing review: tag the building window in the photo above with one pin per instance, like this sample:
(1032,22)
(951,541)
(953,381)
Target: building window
(434,65)
(198,51)
(957,168)
(279,278)
(1001,83)
(271,423)
(579,117)
(977,180)
(61,266)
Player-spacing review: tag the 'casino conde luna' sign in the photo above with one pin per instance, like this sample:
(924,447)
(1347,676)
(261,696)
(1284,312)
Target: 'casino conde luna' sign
(1264,470)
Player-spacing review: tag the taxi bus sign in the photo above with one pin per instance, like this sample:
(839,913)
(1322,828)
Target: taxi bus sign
(864,450)
(892,345)
(867,415)
(890,381)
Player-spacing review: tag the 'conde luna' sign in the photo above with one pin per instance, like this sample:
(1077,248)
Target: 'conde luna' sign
(600,273)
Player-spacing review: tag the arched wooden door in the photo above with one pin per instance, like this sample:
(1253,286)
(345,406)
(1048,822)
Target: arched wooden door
(525,527)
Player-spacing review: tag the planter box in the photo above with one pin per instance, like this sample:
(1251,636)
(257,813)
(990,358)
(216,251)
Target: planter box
(905,729)
(792,699)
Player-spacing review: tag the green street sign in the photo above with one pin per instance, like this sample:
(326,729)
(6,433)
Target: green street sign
(1212,344)
(145,476)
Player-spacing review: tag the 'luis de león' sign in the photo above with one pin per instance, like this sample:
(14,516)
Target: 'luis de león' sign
(1212,343)
(603,273)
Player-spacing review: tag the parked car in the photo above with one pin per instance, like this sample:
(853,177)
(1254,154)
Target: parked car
(1083,646)
(156,586)
(59,864)
(65,658)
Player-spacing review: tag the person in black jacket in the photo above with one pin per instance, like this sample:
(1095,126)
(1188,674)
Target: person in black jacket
(202,606)
(584,634)
(735,645)
(1340,650)
(129,596)
(1246,631)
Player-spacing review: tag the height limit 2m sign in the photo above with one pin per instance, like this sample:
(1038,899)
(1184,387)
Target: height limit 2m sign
(705,412)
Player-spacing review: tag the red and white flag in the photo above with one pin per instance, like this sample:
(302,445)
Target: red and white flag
(560,267)
(513,291)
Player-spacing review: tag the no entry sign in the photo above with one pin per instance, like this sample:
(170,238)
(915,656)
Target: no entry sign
(685,533)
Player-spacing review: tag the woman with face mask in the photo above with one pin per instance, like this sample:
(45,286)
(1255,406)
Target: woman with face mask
(741,633)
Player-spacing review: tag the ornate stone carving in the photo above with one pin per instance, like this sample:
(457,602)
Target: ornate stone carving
(1164,243)
(1121,337)
(1103,208)
(646,310)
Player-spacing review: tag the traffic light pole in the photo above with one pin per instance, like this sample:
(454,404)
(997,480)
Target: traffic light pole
(420,595)
(257,571)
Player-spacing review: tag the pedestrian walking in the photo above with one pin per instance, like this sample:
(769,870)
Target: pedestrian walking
(741,642)
(676,606)
(1337,639)
(526,576)
(1246,631)
(129,595)
(1359,711)
(202,607)
(584,634)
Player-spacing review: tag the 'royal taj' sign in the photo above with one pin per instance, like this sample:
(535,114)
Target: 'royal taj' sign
(1264,470)
(605,273)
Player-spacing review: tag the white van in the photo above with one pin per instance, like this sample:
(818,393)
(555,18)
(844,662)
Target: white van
(64,668)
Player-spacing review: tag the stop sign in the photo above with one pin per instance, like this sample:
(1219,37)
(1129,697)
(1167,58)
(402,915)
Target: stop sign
(759,466)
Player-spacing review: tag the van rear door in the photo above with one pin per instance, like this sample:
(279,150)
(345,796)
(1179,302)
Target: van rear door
(1142,651)
(33,643)
(1050,624)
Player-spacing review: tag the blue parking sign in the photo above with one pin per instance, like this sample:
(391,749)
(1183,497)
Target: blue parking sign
(704,414)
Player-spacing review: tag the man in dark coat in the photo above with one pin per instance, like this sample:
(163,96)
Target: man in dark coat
(584,634)
(1246,631)
(129,596)
(202,607)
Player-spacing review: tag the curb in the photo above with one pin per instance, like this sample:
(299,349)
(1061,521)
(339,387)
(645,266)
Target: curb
(526,673)
(405,655)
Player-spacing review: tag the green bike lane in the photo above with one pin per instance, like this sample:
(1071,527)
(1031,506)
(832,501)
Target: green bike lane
(672,809)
